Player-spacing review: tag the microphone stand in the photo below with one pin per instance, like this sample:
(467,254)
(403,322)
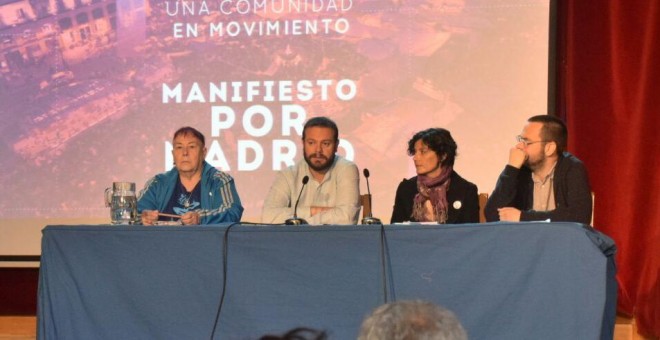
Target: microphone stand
(295,220)
(369,219)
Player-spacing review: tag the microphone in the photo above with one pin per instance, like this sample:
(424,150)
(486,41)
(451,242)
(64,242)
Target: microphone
(369,219)
(295,220)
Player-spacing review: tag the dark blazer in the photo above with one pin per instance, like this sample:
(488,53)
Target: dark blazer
(515,188)
(459,190)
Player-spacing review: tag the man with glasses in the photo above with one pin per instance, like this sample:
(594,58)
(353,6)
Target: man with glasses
(541,180)
(331,196)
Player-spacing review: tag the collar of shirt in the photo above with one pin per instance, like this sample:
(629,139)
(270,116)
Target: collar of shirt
(550,175)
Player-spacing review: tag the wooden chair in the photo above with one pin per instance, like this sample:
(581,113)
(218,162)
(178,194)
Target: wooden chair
(365,202)
(483,198)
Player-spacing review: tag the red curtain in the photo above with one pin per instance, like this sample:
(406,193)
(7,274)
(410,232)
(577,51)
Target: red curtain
(608,82)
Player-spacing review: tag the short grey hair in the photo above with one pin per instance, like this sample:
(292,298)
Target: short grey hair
(411,320)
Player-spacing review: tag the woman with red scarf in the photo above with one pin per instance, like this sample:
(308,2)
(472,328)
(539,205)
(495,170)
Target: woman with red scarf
(437,194)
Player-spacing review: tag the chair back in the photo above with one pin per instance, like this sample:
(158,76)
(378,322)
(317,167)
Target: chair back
(483,198)
(365,202)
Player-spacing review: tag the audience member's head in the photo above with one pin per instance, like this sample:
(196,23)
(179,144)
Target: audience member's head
(411,320)
(300,333)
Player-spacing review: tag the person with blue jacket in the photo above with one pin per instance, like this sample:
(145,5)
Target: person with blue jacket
(193,192)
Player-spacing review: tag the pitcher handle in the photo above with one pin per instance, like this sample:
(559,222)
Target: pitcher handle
(108,196)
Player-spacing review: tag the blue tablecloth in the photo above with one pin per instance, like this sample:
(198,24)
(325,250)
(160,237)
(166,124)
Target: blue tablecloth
(503,280)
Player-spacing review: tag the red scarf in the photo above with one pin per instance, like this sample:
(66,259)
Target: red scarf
(434,189)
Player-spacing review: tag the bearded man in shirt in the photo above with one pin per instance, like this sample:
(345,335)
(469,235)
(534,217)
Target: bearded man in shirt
(332,194)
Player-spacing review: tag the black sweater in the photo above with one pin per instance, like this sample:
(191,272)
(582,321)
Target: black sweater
(515,188)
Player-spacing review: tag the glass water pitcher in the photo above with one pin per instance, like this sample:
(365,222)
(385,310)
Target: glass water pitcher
(122,202)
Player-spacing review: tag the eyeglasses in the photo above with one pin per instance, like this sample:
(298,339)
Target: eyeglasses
(527,143)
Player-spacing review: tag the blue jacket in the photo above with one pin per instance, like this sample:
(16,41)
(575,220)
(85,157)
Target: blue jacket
(220,201)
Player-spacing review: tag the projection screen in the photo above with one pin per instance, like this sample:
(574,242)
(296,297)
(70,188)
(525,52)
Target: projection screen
(92,91)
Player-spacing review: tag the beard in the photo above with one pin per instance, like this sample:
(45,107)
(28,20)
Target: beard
(322,166)
(535,164)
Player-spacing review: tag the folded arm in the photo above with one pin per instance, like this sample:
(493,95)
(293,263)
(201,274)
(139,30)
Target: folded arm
(504,194)
(347,201)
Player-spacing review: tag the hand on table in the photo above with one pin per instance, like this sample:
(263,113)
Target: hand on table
(149,217)
(509,214)
(191,217)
